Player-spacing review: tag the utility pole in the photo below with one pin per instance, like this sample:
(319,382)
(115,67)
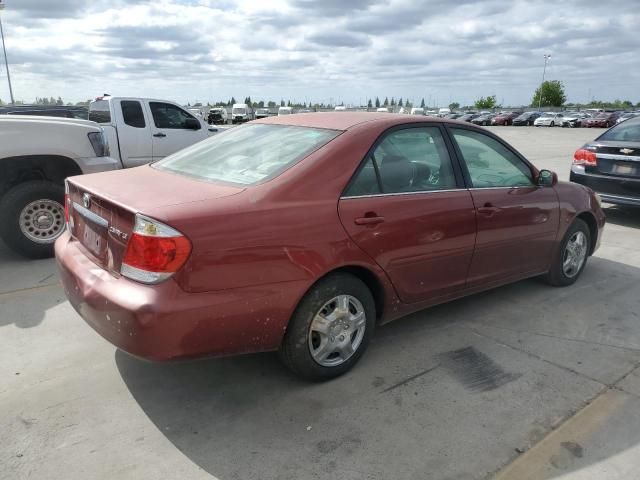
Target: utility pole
(6,62)
(547,56)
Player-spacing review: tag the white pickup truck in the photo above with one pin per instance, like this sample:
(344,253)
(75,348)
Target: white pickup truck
(38,153)
(141,130)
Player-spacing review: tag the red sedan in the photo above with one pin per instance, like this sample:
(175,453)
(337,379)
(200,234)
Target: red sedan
(303,233)
(505,118)
(602,120)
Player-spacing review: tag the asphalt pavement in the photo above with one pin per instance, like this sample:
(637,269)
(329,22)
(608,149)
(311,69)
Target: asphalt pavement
(521,382)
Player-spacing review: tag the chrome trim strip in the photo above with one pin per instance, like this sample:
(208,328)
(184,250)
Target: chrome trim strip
(613,156)
(620,197)
(506,188)
(402,193)
(95,218)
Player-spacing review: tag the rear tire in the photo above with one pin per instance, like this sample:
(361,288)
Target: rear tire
(325,337)
(577,241)
(18,210)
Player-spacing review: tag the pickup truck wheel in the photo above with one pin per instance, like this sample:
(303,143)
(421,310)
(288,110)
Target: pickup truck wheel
(32,218)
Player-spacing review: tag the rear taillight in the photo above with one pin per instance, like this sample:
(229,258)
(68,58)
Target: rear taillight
(67,204)
(585,157)
(155,251)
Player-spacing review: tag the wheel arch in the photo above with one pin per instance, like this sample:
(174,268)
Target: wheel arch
(590,220)
(20,169)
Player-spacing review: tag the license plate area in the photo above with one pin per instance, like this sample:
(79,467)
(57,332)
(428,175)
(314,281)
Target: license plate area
(92,231)
(625,168)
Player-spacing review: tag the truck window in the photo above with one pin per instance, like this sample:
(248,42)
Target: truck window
(166,115)
(132,113)
(99,111)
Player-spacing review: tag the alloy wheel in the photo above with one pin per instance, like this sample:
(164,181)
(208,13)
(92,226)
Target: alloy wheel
(575,253)
(337,330)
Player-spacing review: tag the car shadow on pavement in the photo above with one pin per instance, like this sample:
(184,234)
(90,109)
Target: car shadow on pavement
(408,409)
(622,215)
(28,288)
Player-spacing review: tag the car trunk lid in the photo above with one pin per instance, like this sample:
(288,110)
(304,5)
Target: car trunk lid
(103,206)
(617,158)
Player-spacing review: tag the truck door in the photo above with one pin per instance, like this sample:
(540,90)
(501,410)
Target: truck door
(173,129)
(134,133)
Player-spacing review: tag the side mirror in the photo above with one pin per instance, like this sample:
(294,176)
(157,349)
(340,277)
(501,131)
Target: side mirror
(192,124)
(547,178)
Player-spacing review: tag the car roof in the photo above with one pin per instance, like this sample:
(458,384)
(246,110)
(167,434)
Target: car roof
(346,120)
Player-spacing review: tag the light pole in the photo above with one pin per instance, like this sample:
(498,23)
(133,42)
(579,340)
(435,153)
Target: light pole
(6,63)
(547,56)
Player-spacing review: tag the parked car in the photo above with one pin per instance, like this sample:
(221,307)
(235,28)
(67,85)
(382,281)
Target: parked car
(262,113)
(484,119)
(417,111)
(574,119)
(141,130)
(217,116)
(443,112)
(549,119)
(382,110)
(36,155)
(610,164)
(468,117)
(285,111)
(627,116)
(453,115)
(602,120)
(407,212)
(241,113)
(505,118)
(527,118)
(65,111)
(340,108)
(196,112)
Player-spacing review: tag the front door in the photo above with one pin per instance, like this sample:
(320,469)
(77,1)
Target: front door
(406,207)
(134,134)
(517,219)
(171,132)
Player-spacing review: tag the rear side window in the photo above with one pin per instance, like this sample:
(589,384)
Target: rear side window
(99,111)
(132,113)
(627,131)
(248,154)
(166,115)
(407,160)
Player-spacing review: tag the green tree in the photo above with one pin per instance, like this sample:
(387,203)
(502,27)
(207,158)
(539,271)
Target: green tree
(393,102)
(422,103)
(377,102)
(59,101)
(408,104)
(271,104)
(454,106)
(488,102)
(281,102)
(369,104)
(386,102)
(549,94)
(400,104)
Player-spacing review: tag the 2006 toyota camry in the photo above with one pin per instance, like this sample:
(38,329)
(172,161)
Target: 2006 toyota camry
(302,233)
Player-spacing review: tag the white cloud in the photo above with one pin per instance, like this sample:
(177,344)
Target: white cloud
(317,50)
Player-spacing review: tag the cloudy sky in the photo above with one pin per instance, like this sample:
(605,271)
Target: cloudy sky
(321,50)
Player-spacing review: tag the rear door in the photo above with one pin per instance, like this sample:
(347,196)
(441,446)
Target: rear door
(407,208)
(517,220)
(170,131)
(134,133)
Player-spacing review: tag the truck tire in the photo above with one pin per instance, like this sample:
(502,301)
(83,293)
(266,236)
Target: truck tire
(32,218)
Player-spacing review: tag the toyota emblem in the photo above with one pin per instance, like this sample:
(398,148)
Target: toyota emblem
(86,200)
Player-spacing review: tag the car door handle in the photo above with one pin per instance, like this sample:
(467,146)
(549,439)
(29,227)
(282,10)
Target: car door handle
(488,209)
(159,135)
(373,220)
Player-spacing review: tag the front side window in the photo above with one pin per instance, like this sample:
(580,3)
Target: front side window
(132,113)
(489,162)
(166,115)
(407,160)
(248,154)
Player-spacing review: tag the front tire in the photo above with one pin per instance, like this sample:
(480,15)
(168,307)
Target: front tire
(571,257)
(32,218)
(330,329)
(552,124)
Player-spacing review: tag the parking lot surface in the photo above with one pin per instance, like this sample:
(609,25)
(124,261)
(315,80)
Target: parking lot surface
(524,381)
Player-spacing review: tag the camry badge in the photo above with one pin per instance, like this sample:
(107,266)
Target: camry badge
(626,151)
(86,200)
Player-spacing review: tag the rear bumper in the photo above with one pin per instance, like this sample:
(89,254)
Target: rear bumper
(617,190)
(163,322)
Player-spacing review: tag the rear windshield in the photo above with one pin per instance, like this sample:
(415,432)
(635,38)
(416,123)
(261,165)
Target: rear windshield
(628,131)
(248,154)
(99,111)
